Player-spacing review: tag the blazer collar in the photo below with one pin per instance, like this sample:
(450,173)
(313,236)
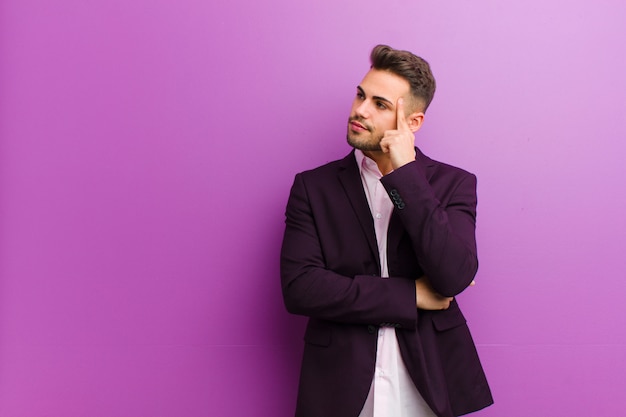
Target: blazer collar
(424,161)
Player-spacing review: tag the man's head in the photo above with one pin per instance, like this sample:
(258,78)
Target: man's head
(412,68)
(394,74)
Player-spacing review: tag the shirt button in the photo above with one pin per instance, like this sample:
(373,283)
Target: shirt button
(378,215)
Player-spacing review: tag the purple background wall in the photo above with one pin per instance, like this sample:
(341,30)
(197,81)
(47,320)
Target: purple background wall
(146,153)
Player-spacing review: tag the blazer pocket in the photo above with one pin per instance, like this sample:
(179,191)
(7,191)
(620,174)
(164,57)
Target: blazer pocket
(317,334)
(448,319)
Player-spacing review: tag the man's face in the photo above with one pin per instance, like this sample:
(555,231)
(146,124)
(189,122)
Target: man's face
(374,108)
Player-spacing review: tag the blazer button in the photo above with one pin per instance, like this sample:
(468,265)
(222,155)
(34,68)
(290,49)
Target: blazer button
(371,329)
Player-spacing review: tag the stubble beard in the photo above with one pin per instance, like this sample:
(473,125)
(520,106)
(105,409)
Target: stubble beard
(366,141)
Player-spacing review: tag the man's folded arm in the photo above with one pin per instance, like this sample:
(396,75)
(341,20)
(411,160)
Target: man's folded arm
(443,236)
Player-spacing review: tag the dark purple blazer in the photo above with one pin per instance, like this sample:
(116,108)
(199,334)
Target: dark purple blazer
(330,272)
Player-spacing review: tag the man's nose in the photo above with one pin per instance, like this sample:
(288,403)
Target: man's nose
(362,110)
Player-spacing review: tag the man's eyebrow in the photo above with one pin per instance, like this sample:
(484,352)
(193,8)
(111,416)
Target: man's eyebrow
(374,97)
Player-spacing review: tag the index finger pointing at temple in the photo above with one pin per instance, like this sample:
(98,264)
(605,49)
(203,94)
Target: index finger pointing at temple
(400,116)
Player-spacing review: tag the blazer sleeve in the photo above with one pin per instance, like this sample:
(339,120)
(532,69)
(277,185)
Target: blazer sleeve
(440,218)
(311,289)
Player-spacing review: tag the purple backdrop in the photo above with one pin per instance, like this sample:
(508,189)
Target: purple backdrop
(146,153)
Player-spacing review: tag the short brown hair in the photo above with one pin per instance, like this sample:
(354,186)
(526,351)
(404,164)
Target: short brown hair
(408,66)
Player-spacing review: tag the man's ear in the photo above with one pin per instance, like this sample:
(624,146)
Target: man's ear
(415,120)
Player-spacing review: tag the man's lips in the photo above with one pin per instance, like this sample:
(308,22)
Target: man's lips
(357,126)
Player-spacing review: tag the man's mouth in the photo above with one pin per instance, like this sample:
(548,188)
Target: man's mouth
(357,127)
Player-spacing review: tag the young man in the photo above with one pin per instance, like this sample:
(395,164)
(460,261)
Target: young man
(376,247)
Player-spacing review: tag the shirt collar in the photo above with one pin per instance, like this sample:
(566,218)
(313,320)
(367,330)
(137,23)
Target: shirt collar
(366,165)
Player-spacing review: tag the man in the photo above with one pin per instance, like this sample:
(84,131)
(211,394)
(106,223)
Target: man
(376,246)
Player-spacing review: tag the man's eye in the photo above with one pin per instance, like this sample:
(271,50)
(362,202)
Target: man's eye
(381,105)
(360,96)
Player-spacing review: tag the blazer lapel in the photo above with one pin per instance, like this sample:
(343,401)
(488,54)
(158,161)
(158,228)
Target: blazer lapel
(350,179)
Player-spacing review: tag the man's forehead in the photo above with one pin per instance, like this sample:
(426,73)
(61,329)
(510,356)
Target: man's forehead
(384,83)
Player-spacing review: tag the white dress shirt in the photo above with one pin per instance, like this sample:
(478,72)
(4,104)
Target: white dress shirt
(392,393)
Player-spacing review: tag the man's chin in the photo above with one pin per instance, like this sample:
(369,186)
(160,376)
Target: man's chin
(363,146)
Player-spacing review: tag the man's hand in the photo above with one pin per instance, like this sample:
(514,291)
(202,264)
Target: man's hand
(399,143)
(427,298)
